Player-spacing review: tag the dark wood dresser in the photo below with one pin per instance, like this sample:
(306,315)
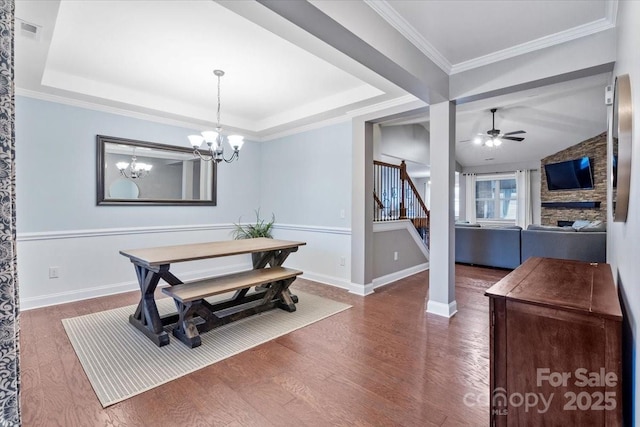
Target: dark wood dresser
(556,345)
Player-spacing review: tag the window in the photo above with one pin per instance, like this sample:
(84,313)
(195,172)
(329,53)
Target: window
(496,198)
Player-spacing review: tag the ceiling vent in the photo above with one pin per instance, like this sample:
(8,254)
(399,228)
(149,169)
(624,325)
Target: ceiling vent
(28,30)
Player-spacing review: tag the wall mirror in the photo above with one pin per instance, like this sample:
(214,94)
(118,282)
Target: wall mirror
(133,172)
(621,134)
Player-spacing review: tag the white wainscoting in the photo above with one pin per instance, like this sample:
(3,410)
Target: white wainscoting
(90,265)
(322,256)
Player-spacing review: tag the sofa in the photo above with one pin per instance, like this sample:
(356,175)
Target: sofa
(582,244)
(509,246)
(489,246)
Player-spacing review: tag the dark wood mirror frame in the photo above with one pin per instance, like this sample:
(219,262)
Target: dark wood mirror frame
(621,127)
(102,193)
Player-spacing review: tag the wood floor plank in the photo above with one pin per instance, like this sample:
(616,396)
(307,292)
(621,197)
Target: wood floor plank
(382,362)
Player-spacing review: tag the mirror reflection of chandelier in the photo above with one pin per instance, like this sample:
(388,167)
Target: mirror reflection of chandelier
(214,138)
(134,169)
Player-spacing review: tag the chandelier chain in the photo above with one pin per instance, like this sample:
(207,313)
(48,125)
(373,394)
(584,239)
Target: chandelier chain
(218,102)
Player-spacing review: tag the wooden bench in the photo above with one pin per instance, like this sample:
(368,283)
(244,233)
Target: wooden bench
(272,290)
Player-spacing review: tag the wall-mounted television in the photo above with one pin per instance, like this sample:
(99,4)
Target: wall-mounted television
(570,175)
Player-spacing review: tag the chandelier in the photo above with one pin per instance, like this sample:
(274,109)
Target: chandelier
(134,169)
(215,138)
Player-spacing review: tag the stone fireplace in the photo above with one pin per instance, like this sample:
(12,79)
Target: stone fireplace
(571,205)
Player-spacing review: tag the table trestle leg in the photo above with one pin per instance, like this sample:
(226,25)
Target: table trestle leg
(146,317)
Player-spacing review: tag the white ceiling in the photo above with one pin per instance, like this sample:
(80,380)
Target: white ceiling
(463,34)
(554,117)
(157,58)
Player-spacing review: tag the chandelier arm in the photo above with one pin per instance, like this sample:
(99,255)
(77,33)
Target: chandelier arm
(205,158)
(234,156)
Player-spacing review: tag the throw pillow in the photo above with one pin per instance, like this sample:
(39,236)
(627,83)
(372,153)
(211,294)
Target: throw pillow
(578,225)
(595,226)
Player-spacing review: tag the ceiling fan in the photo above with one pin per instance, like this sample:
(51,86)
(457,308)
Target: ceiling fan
(493,137)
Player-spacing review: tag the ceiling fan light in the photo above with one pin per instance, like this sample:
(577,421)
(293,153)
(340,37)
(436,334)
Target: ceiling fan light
(497,142)
(489,142)
(477,140)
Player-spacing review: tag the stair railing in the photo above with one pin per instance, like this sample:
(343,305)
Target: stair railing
(396,197)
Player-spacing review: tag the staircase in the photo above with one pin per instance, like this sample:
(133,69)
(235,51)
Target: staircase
(396,197)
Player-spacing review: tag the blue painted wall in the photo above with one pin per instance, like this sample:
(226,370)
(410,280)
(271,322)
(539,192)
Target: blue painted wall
(306,177)
(56,172)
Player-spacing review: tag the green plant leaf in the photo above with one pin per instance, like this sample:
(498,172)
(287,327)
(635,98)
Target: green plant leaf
(250,231)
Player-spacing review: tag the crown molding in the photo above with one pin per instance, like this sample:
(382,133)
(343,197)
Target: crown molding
(389,14)
(541,43)
(105,108)
(383,105)
(347,117)
(304,128)
(263,136)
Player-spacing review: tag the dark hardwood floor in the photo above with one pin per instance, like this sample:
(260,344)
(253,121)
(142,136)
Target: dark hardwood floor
(384,362)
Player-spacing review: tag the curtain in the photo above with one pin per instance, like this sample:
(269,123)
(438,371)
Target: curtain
(9,350)
(470,197)
(524,207)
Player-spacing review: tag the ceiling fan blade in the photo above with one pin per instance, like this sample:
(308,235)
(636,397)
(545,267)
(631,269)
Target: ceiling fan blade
(514,132)
(513,138)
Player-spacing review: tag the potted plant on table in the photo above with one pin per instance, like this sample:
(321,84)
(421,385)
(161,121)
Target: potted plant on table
(251,231)
(261,228)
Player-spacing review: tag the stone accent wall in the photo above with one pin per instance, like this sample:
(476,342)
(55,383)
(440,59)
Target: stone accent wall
(596,149)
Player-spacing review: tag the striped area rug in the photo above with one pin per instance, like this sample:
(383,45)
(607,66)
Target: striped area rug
(121,362)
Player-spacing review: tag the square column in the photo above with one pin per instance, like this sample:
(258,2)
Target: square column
(362,209)
(442,298)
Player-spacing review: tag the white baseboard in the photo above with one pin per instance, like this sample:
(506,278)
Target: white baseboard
(30,303)
(368,288)
(326,280)
(442,309)
(75,295)
(339,283)
(362,290)
(390,278)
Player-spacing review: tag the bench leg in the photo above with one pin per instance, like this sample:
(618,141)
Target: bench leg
(186,330)
(285,300)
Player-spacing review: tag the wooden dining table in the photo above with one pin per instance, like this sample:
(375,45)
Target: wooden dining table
(269,279)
